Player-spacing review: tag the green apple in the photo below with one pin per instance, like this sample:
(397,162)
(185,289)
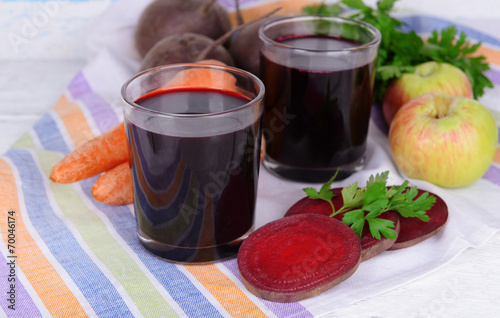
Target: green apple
(447,140)
(428,77)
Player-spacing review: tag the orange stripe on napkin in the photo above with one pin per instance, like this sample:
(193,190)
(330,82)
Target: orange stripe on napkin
(492,56)
(236,303)
(497,156)
(74,121)
(48,284)
(287,7)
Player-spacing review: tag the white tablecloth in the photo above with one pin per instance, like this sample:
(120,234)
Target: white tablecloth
(33,77)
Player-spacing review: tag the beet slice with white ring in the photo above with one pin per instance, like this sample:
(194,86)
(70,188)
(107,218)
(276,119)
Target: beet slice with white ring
(298,257)
(413,230)
(370,246)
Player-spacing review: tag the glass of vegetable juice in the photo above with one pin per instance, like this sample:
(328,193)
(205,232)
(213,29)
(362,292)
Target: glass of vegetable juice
(194,147)
(319,77)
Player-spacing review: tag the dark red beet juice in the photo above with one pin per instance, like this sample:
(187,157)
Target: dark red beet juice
(316,112)
(195,196)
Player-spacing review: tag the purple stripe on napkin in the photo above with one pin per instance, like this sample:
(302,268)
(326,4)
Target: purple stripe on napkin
(101,111)
(13,292)
(279,309)
(79,86)
(494,76)
(493,175)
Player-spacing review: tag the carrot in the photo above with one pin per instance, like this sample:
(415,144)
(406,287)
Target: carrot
(213,78)
(114,186)
(95,156)
(211,61)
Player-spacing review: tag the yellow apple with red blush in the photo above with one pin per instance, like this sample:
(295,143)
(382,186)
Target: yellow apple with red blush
(447,140)
(428,77)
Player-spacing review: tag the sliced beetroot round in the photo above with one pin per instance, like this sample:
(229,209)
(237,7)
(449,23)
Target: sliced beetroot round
(298,257)
(413,230)
(307,205)
(370,246)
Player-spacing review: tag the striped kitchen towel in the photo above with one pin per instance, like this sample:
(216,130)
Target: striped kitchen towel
(65,255)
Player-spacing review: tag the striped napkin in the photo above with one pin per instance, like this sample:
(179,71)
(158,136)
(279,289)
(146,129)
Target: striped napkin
(65,255)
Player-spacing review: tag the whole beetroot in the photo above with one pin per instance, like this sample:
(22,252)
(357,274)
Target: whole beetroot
(184,48)
(192,47)
(163,18)
(244,46)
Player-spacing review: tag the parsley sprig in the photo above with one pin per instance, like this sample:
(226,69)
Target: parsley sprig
(400,52)
(366,204)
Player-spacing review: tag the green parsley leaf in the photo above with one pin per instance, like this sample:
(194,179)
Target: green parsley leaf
(382,177)
(323,9)
(376,207)
(368,203)
(374,191)
(353,196)
(325,189)
(381,226)
(312,193)
(355,219)
(358,4)
(406,204)
(386,6)
(324,193)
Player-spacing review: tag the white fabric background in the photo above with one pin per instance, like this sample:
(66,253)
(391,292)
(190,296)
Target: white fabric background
(473,210)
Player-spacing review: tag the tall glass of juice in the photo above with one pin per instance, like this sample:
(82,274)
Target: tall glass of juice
(194,153)
(319,77)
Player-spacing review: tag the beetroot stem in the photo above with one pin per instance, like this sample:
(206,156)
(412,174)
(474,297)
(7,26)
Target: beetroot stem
(341,210)
(203,54)
(239,17)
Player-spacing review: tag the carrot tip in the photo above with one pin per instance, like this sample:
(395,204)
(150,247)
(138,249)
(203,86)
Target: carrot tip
(115,186)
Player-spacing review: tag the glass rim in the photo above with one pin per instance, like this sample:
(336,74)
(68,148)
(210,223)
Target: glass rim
(181,66)
(377,36)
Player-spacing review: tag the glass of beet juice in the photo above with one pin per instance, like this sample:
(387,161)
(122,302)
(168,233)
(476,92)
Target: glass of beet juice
(319,77)
(194,148)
